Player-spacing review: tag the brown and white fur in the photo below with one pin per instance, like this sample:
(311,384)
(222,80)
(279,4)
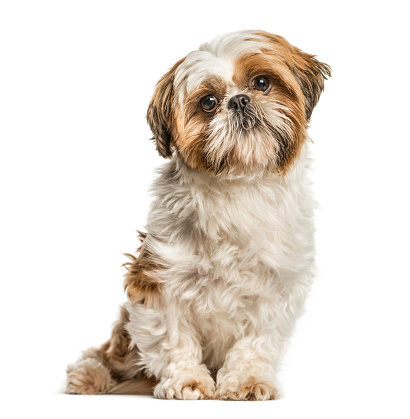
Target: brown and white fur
(228,257)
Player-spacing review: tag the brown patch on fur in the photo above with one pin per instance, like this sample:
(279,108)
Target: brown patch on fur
(297,82)
(111,368)
(116,353)
(252,390)
(191,123)
(285,91)
(160,114)
(309,72)
(140,281)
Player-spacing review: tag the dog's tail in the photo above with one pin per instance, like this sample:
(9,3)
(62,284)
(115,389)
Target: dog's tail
(111,369)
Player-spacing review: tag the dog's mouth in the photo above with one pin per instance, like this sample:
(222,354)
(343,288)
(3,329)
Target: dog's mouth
(247,118)
(248,122)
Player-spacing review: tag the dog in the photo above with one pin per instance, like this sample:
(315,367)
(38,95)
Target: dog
(228,257)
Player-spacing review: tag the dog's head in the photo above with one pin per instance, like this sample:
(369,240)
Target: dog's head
(240,104)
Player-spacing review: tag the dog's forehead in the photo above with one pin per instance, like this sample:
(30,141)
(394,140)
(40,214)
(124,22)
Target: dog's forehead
(215,58)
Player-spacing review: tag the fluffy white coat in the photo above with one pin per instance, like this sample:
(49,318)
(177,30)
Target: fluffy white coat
(238,259)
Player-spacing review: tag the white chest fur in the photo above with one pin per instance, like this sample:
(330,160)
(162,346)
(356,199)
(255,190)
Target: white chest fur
(233,252)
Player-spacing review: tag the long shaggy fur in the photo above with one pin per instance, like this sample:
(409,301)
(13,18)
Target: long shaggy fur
(228,258)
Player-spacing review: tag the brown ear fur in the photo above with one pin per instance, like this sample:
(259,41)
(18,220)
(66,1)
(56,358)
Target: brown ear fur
(309,72)
(311,75)
(159,114)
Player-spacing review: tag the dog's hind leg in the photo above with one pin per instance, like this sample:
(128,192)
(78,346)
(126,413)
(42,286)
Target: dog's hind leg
(111,369)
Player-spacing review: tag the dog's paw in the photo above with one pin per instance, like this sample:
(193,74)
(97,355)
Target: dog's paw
(88,376)
(237,388)
(186,385)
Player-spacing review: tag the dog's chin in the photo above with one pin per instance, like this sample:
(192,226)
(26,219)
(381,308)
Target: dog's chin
(253,154)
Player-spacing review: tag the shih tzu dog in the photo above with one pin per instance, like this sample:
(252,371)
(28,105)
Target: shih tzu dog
(228,258)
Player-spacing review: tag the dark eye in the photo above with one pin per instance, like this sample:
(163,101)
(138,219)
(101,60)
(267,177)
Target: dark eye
(261,83)
(208,103)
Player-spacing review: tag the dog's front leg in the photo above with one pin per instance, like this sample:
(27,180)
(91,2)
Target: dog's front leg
(250,367)
(248,372)
(170,350)
(185,381)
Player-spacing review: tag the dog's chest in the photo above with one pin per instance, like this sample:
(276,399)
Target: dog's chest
(228,256)
(223,307)
(227,249)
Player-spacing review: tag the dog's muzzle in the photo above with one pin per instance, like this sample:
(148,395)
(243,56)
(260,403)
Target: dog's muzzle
(243,111)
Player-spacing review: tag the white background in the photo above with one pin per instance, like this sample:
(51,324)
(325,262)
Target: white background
(76,162)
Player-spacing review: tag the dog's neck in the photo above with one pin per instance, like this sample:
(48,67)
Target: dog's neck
(222,180)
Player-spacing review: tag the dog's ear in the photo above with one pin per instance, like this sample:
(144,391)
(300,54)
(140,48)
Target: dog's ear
(308,71)
(311,75)
(160,112)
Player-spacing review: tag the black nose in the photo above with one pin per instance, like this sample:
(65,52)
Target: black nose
(238,102)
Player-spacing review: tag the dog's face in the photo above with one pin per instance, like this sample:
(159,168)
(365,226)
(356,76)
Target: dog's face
(238,105)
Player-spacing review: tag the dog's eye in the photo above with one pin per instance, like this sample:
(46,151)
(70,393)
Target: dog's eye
(261,83)
(208,103)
